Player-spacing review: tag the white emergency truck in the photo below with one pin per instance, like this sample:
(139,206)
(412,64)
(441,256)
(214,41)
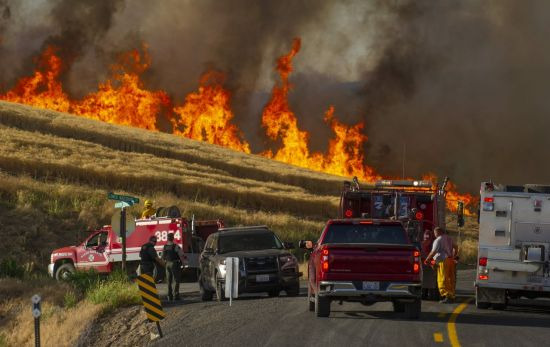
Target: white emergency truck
(514,244)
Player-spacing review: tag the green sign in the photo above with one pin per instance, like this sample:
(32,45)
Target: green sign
(128,199)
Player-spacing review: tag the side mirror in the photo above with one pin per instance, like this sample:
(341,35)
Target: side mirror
(460,214)
(288,245)
(305,244)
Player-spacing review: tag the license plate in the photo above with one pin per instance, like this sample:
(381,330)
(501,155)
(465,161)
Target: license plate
(262,278)
(371,285)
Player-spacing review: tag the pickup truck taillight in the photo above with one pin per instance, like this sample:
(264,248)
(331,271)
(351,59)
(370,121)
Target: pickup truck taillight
(416,262)
(324,260)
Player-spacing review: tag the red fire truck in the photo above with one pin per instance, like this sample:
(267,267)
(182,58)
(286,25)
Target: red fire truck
(418,205)
(102,249)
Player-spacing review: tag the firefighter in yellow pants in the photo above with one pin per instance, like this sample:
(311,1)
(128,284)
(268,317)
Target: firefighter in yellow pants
(446,279)
(444,250)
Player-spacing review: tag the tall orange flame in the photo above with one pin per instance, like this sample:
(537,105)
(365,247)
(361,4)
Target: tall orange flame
(206,115)
(123,99)
(345,155)
(43,89)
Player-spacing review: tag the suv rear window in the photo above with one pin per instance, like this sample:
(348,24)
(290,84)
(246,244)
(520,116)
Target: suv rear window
(365,233)
(248,242)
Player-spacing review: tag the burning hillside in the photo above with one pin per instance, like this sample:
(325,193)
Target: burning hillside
(205,115)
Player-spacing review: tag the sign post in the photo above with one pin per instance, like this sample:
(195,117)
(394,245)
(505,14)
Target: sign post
(231,278)
(123,202)
(36,313)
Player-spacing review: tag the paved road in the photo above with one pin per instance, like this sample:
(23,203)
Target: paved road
(285,321)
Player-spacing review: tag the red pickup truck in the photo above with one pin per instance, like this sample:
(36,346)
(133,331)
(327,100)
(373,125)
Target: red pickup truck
(367,261)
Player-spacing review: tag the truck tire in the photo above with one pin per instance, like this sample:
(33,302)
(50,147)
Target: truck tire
(398,306)
(206,295)
(310,299)
(322,306)
(413,309)
(293,290)
(220,293)
(482,305)
(64,271)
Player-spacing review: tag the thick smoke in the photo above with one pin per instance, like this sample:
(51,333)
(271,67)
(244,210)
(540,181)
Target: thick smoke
(461,84)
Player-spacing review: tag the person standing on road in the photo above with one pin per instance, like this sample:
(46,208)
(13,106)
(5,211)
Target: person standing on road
(172,255)
(443,251)
(149,257)
(149,210)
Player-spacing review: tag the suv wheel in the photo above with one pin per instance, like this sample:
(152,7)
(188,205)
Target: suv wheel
(322,306)
(413,309)
(64,271)
(206,295)
(310,299)
(220,293)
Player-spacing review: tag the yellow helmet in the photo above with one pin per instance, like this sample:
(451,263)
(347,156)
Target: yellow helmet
(148,203)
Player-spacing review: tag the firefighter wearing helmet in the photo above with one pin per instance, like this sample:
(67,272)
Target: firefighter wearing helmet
(149,210)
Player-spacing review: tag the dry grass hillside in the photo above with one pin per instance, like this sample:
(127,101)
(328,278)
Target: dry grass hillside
(56,169)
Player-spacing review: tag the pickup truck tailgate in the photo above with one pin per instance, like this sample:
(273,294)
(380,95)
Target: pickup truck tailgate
(371,261)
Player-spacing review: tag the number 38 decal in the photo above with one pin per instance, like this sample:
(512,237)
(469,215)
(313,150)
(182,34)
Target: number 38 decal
(163,235)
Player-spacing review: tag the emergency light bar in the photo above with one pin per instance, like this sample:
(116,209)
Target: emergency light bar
(403,183)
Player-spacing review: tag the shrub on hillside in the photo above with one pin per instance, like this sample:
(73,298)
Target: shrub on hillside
(10,268)
(116,291)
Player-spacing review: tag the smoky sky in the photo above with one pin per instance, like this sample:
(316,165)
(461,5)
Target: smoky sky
(460,85)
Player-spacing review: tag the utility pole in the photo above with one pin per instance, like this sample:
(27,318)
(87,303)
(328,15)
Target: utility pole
(404,154)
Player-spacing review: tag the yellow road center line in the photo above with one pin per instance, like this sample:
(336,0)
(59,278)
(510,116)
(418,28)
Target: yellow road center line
(438,337)
(451,327)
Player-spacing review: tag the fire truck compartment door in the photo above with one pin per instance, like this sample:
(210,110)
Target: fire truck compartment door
(532,232)
(503,265)
(504,254)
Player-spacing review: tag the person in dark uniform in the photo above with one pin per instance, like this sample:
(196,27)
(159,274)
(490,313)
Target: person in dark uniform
(149,257)
(172,255)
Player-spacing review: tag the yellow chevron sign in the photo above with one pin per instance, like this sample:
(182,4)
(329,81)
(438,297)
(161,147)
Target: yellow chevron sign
(150,298)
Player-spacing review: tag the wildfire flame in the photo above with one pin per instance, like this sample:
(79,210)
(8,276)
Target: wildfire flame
(123,99)
(43,88)
(205,115)
(345,155)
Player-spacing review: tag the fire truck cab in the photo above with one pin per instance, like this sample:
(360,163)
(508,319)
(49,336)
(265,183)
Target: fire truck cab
(514,244)
(102,249)
(418,205)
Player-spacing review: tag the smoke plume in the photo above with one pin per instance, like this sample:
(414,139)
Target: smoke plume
(459,85)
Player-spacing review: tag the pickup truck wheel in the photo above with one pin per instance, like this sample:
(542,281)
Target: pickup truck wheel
(310,299)
(64,271)
(206,295)
(398,306)
(220,293)
(413,309)
(322,306)
(293,290)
